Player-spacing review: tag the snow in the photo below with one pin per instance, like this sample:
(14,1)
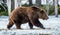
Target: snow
(52,26)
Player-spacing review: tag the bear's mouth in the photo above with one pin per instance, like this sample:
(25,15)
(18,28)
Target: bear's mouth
(44,19)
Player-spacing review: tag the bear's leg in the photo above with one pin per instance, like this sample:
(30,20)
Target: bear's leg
(18,26)
(38,24)
(10,24)
(34,20)
(30,25)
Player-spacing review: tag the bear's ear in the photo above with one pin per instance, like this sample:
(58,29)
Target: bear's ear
(42,11)
(35,8)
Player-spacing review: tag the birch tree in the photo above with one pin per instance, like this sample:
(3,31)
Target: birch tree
(9,6)
(47,6)
(56,7)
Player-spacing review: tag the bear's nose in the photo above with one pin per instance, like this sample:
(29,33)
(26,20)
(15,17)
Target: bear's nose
(47,18)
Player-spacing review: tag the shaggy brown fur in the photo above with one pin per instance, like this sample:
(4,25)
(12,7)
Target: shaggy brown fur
(22,15)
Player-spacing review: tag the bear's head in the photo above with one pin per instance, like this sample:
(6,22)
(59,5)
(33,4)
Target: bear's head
(41,13)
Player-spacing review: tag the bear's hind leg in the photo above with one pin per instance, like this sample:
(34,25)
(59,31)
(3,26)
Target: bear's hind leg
(10,24)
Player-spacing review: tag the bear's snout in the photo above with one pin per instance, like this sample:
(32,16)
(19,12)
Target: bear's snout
(46,18)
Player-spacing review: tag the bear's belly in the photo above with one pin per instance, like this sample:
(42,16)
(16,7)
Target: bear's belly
(22,19)
(25,20)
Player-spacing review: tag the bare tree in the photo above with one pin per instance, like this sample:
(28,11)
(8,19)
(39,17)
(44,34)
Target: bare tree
(38,3)
(56,7)
(53,2)
(30,3)
(47,6)
(12,5)
(4,1)
(9,6)
(16,4)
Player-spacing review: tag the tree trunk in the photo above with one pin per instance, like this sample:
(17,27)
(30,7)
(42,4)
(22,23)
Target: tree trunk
(9,6)
(12,5)
(16,4)
(4,1)
(56,7)
(47,6)
(53,2)
(30,3)
(38,3)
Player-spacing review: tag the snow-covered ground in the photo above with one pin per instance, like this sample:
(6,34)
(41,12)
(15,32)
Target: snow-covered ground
(52,26)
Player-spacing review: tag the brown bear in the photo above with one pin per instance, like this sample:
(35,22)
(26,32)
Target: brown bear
(22,15)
